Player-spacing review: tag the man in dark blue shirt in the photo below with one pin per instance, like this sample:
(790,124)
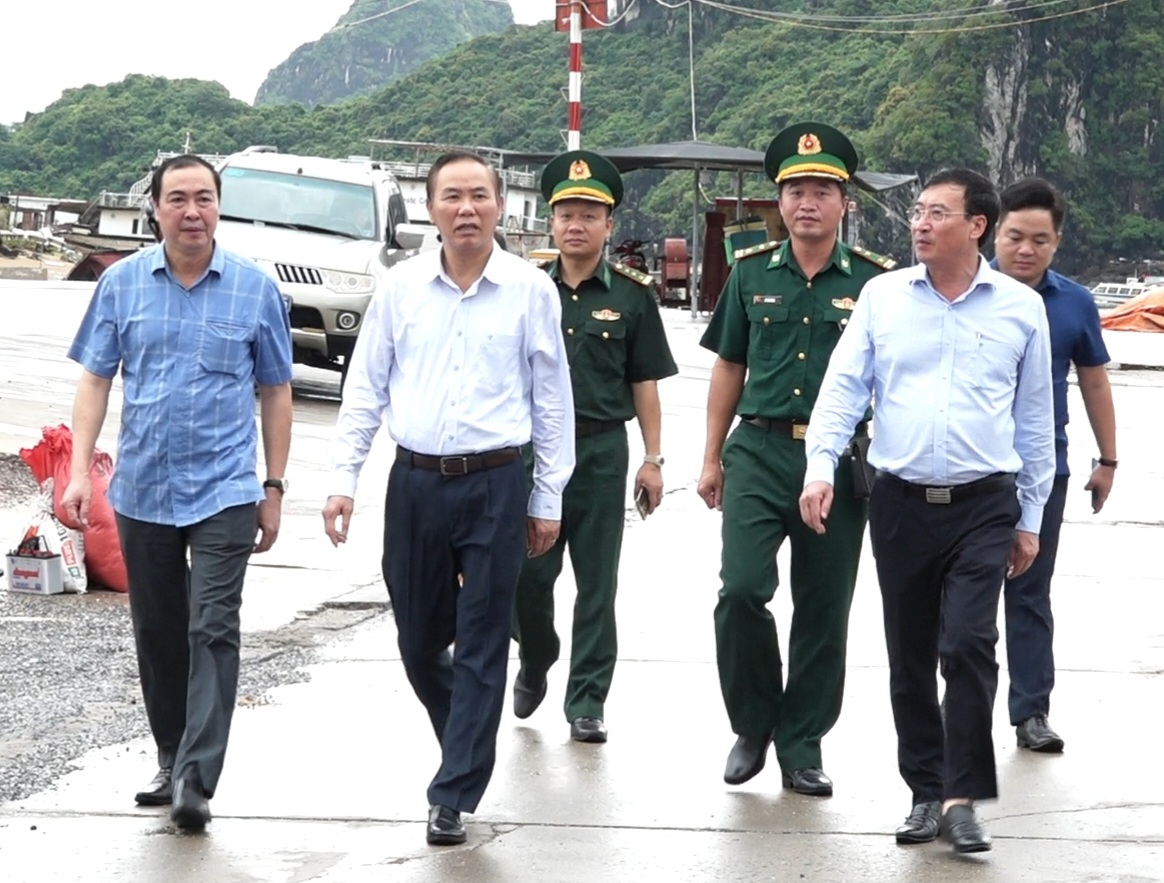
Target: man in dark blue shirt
(1029,231)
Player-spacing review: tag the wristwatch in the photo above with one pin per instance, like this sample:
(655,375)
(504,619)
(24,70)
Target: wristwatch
(279,484)
(654,459)
(1110,464)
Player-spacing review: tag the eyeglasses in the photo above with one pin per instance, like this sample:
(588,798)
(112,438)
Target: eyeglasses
(935,215)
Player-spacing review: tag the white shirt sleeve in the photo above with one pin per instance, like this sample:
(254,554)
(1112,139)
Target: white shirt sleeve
(365,396)
(844,395)
(551,405)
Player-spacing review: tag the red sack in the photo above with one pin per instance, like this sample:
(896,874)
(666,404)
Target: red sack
(53,456)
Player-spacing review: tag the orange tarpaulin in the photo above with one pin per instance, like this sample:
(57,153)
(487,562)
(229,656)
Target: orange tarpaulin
(1142,313)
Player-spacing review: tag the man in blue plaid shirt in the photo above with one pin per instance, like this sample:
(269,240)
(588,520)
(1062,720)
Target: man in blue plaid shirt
(191,328)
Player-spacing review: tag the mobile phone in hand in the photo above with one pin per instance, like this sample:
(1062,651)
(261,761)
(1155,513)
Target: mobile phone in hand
(1094,491)
(641,502)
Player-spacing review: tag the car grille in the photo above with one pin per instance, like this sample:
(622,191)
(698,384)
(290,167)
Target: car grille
(300,275)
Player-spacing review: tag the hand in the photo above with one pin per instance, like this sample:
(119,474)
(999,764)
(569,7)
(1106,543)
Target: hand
(76,500)
(270,515)
(337,508)
(816,500)
(540,535)
(1022,553)
(1100,483)
(650,477)
(710,486)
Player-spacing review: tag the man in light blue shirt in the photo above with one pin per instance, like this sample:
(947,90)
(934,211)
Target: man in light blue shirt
(192,328)
(462,353)
(956,358)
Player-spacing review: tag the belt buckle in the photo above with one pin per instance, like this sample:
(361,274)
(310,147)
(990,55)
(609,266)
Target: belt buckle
(938,495)
(799,431)
(447,472)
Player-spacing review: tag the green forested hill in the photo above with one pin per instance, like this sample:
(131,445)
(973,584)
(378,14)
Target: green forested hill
(1076,98)
(375,42)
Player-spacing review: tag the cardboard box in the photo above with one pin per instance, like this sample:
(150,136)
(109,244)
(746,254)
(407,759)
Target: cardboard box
(39,573)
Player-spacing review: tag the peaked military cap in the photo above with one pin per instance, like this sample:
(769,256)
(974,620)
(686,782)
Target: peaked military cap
(581,174)
(805,150)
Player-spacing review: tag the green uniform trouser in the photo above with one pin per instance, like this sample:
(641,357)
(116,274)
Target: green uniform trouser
(593,513)
(763,478)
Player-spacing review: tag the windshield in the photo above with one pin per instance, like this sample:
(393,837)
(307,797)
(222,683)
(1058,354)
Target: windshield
(277,198)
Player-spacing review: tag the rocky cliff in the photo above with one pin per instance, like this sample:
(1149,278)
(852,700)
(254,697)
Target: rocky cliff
(377,42)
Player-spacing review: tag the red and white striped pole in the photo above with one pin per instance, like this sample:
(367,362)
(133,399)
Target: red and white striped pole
(574,96)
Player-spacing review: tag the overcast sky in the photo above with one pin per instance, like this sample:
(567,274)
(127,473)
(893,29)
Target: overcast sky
(50,47)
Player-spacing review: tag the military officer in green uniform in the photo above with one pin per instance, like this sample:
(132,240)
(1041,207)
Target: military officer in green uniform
(781,313)
(617,351)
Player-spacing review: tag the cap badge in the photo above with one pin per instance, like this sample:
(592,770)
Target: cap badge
(808,144)
(579,170)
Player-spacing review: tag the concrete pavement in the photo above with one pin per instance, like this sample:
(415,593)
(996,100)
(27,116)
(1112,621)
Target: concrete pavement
(326,781)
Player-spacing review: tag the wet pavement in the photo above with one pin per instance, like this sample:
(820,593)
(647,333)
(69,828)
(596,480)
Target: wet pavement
(325,778)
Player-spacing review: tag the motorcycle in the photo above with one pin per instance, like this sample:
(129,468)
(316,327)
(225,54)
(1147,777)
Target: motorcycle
(630,253)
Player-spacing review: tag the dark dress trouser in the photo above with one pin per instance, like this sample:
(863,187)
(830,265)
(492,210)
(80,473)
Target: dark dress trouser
(941,568)
(435,528)
(1030,626)
(186,627)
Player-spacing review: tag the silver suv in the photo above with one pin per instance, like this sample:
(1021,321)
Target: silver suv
(326,229)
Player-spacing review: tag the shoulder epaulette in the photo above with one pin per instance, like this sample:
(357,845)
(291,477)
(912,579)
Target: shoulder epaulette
(770,245)
(631,273)
(872,257)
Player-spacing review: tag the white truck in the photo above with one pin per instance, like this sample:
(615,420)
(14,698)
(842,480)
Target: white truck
(326,229)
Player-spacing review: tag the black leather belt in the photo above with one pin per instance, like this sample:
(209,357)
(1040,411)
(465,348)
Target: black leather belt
(458,465)
(941,495)
(594,427)
(793,430)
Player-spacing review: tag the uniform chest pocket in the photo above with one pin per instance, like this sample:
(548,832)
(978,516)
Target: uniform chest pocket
(767,322)
(838,318)
(604,344)
(608,331)
(225,348)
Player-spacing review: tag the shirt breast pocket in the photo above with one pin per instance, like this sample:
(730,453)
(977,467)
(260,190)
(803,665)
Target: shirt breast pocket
(995,364)
(606,344)
(500,358)
(225,348)
(767,321)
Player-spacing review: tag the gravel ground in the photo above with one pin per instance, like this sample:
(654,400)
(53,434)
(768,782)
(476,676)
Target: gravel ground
(68,672)
(16,482)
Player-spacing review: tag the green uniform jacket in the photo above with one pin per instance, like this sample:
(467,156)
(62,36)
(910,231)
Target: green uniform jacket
(614,337)
(783,326)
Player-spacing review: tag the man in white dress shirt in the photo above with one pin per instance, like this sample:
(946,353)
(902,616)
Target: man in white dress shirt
(462,350)
(957,357)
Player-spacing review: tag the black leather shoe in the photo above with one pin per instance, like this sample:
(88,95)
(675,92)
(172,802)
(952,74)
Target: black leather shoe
(746,759)
(810,781)
(191,809)
(921,826)
(587,729)
(527,697)
(159,792)
(445,827)
(961,828)
(1036,734)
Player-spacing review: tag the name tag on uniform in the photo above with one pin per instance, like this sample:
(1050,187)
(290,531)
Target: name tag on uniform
(844,303)
(606,315)
(769,299)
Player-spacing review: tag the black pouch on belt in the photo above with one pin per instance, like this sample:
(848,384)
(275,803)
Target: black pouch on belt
(861,472)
